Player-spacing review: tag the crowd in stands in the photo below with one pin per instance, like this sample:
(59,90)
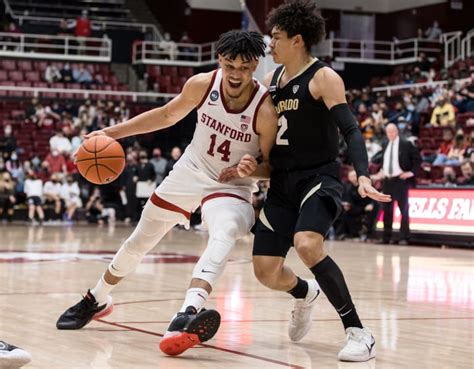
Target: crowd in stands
(41,177)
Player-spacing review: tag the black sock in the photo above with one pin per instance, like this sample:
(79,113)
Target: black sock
(332,283)
(300,290)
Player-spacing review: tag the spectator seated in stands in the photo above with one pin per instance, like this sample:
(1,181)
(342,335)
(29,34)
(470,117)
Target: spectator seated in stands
(359,213)
(59,142)
(82,75)
(175,155)
(78,140)
(449,177)
(52,74)
(44,173)
(444,148)
(55,162)
(7,142)
(66,74)
(70,194)
(455,154)
(443,114)
(34,193)
(52,195)
(464,99)
(13,165)
(7,195)
(96,212)
(467,173)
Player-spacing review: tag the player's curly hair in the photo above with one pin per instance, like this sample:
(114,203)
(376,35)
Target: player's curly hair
(249,45)
(299,17)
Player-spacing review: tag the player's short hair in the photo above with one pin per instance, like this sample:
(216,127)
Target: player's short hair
(249,45)
(299,17)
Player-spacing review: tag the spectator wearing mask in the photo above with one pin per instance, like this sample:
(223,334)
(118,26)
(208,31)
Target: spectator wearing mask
(443,114)
(44,173)
(52,195)
(82,75)
(34,193)
(159,164)
(52,74)
(59,142)
(66,74)
(70,194)
(56,162)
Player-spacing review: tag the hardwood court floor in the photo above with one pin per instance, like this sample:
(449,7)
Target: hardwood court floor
(419,303)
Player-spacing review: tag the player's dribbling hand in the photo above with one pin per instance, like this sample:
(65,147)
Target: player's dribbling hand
(244,168)
(86,137)
(100,132)
(367,190)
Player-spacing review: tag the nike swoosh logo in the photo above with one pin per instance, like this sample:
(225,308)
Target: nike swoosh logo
(114,268)
(201,296)
(207,271)
(370,347)
(338,310)
(209,103)
(315,297)
(347,312)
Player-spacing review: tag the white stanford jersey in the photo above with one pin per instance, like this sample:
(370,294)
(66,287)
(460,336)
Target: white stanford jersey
(223,136)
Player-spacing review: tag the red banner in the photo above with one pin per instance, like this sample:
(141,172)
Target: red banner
(438,210)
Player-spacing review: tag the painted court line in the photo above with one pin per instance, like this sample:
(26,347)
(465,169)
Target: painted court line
(261,358)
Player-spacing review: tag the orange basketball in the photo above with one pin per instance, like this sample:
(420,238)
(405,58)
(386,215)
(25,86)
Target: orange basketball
(100,159)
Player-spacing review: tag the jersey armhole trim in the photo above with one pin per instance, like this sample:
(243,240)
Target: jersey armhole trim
(257,108)
(208,89)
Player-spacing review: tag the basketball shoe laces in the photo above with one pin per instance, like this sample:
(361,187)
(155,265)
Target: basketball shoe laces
(87,305)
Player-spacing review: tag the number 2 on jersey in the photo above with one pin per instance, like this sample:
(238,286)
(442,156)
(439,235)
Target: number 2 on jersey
(282,127)
(223,148)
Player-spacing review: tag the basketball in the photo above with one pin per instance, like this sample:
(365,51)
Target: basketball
(100,159)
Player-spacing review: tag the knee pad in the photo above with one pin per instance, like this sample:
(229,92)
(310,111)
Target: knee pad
(229,216)
(143,239)
(228,219)
(212,262)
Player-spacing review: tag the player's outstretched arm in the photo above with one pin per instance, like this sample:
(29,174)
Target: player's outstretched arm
(165,116)
(328,85)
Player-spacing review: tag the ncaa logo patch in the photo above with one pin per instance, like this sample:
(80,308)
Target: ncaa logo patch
(244,127)
(214,95)
(295,88)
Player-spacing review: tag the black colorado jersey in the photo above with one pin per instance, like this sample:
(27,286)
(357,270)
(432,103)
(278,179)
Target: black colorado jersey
(307,136)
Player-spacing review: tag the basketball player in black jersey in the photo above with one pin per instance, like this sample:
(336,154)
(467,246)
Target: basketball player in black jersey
(305,188)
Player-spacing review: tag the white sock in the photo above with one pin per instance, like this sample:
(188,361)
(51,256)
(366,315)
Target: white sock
(101,290)
(196,297)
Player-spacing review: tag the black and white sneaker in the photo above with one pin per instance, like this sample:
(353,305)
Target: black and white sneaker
(83,312)
(189,329)
(12,357)
(360,345)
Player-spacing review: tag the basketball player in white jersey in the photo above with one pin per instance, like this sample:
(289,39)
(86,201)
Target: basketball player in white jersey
(235,117)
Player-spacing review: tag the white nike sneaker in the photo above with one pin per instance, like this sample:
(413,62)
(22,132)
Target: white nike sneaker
(360,345)
(300,321)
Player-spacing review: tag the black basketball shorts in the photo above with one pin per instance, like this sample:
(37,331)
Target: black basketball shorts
(313,209)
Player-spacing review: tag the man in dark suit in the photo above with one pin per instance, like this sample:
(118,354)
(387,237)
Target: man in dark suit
(400,163)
